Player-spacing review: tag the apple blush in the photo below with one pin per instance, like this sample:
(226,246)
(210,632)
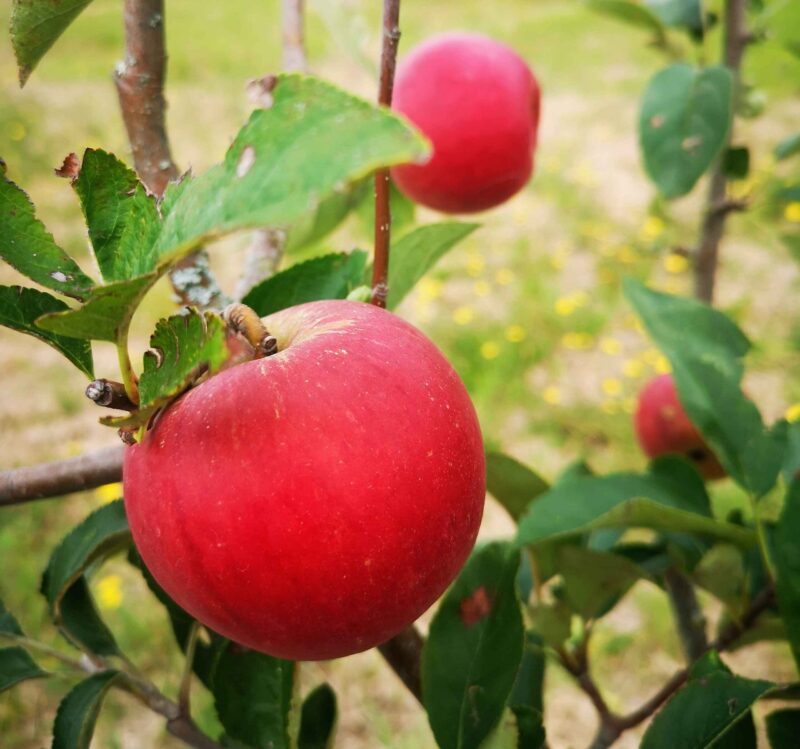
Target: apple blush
(662,427)
(313,503)
(478,103)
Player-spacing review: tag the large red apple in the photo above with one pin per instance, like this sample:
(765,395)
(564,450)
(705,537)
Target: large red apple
(312,504)
(478,103)
(663,427)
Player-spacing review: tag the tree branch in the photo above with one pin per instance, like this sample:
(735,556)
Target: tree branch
(383,213)
(713,227)
(294,51)
(689,618)
(612,726)
(61,477)
(140,87)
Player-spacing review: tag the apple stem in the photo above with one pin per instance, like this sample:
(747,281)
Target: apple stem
(383,213)
(110,394)
(242,319)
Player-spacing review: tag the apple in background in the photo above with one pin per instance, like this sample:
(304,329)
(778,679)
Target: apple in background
(478,103)
(312,504)
(663,427)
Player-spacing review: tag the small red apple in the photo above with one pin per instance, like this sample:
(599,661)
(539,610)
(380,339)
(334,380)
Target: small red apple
(478,103)
(663,427)
(313,503)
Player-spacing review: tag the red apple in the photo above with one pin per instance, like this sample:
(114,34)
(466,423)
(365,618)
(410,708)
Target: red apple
(312,504)
(663,427)
(478,103)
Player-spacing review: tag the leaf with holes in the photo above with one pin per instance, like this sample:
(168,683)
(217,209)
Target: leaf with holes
(416,252)
(331,276)
(20,307)
(122,218)
(683,124)
(183,346)
(36,25)
(17,666)
(512,484)
(102,534)
(318,719)
(253,694)
(475,645)
(78,711)
(28,247)
(311,142)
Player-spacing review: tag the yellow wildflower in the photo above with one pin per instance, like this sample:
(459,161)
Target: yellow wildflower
(575,340)
(610,346)
(463,315)
(793,412)
(109,592)
(108,493)
(430,288)
(612,386)
(792,212)
(564,306)
(504,277)
(481,288)
(632,368)
(475,265)
(652,228)
(490,350)
(515,333)
(675,263)
(551,395)
(17,131)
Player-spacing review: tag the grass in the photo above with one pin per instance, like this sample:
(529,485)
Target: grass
(528,309)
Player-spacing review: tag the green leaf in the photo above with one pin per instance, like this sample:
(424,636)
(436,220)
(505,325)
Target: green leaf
(20,307)
(736,162)
(705,709)
(106,314)
(16,666)
(253,696)
(783,728)
(26,245)
(183,346)
(8,623)
(678,13)
(78,711)
(721,572)
(35,26)
(318,719)
(415,253)
(594,581)
(632,13)
(511,483)
(620,500)
(791,461)
(685,328)
(100,535)
(528,687)
(684,122)
(475,645)
(328,277)
(312,141)
(122,218)
(519,728)
(786,555)
(310,230)
(787,147)
(705,349)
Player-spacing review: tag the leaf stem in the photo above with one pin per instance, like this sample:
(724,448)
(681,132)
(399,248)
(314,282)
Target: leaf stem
(383,213)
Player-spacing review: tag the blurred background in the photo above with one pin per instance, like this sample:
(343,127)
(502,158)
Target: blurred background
(528,308)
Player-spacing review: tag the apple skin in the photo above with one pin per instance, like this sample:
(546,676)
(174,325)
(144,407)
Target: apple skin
(662,427)
(312,504)
(478,103)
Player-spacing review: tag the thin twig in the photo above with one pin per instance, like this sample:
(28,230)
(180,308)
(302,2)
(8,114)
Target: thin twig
(612,726)
(294,51)
(185,691)
(383,213)
(688,614)
(140,87)
(707,254)
(61,477)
